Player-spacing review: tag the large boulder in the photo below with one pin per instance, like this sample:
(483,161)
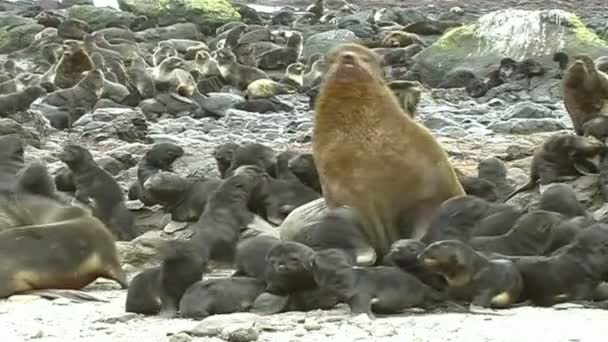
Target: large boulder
(206,14)
(322,42)
(16,32)
(517,34)
(101,17)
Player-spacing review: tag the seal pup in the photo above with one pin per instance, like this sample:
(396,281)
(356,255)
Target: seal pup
(169,77)
(585,91)
(303,166)
(83,95)
(94,184)
(160,157)
(19,101)
(408,93)
(158,290)
(380,289)
(569,274)
(290,83)
(217,230)
(223,155)
(162,52)
(251,154)
(355,105)
(561,157)
(404,254)
(281,58)
(73,63)
(220,296)
(472,277)
(184,198)
(53,246)
(206,64)
(140,78)
(250,256)
(532,234)
(11,160)
(398,39)
(235,74)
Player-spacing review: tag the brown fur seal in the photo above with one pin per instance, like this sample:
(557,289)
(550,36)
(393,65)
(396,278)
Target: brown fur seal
(235,74)
(74,62)
(83,95)
(290,83)
(408,93)
(397,39)
(19,101)
(372,156)
(171,78)
(472,277)
(53,247)
(585,92)
(561,157)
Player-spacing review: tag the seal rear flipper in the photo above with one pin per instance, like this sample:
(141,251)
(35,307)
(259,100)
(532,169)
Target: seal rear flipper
(269,304)
(74,295)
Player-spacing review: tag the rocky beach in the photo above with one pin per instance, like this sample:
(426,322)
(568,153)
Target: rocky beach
(471,120)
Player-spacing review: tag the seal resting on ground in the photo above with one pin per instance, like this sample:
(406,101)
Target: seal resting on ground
(373,156)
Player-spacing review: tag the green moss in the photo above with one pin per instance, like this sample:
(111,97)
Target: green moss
(453,37)
(582,33)
(220,9)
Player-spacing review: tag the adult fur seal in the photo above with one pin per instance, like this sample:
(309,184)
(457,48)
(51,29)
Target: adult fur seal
(360,126)
(585,92)
(53,246)
(83,95)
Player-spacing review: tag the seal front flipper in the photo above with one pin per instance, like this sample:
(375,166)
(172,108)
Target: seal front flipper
(268,304)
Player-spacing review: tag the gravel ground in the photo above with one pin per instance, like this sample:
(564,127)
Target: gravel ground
(24,318)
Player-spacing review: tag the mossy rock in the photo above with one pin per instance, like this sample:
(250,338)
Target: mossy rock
(206,14)
(101,17)
(517,34)
(17,32)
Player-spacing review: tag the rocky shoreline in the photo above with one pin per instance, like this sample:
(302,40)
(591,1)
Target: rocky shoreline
(507,121)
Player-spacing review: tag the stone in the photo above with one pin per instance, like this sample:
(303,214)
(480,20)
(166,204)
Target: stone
(322,42)
(101,17)
(527,110)
(206,14)
(16,32)
(507,33)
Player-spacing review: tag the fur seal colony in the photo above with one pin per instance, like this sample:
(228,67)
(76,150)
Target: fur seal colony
(374,206)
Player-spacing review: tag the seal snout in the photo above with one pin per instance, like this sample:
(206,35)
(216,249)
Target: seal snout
(348,58)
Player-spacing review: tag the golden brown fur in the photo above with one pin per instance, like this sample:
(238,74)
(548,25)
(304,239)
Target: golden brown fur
(74,62)
(372,156)
(585,92)
(399,39)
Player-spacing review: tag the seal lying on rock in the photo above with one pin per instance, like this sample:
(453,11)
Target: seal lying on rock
(394,184)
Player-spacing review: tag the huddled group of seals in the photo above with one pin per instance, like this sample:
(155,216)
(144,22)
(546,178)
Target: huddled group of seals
(375,216)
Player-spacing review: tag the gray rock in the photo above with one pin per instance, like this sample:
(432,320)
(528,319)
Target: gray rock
(437,122)
(527,110)
(214,325)
(322,42)
(242,332)
(453,132)
(527,126)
